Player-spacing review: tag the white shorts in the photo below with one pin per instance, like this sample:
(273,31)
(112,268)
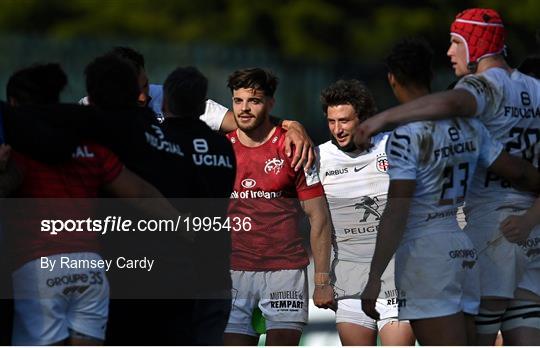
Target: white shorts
(349,279)
(437,276)
(349,310)
(501,263)
(530,279)
(48,304)
(282,297)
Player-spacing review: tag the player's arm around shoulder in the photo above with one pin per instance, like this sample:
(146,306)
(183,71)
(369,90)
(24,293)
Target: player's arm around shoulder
(298,139)
(432,107)
(145,197)
(316,210)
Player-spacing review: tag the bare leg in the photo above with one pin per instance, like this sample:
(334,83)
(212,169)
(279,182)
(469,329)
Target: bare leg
(79,339)
(356,335)
(525,335)
(471,330)
(60,343)
(522,336)
(499,342)
(449,330)
(233,339)
(283,337)
(76,341)
(492,304)
(397,333)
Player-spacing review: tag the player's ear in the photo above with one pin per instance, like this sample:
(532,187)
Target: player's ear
(271,102)
(391,80)
(12,101)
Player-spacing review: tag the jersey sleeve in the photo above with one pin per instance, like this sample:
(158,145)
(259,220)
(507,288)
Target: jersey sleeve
(213,114)
(483,91)
(308,185)
(402,154)
(490,148)
(110,164)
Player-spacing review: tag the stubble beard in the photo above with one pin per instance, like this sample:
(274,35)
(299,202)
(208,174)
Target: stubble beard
(350,147)
(257,122)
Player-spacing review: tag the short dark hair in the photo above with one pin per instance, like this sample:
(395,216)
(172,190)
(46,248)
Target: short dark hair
(531,66)
(256,78)
(410,61)
(185,92)
(351,92)
(37,84)
(136,58)
(111,82)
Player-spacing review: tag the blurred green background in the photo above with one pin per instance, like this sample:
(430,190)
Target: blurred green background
(308,43)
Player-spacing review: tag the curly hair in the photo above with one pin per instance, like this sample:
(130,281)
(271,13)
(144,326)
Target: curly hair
(410,61)
(351,92)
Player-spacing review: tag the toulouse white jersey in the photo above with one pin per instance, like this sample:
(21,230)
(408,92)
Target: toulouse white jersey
(509,106)
(441,157)
(356,186)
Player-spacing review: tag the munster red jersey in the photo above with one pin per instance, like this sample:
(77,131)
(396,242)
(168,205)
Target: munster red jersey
(91,167)
(267,192)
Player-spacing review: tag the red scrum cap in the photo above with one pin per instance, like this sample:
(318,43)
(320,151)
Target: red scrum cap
(482,32)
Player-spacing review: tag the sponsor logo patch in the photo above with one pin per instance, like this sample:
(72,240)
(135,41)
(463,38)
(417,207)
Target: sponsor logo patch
(370,207)
(273,165)
(248,183)
(382,163)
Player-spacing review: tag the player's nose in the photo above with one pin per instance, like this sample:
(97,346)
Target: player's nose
(450,51)
(335,129)
(142,99)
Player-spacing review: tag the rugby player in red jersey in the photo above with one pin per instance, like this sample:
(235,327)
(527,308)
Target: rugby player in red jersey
(61,305)
(268,260)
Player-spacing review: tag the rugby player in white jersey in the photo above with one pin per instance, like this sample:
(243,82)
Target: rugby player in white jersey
(355,183)
(435,262)
(507,102)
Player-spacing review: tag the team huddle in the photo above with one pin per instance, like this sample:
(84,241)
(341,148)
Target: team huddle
(383,196)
